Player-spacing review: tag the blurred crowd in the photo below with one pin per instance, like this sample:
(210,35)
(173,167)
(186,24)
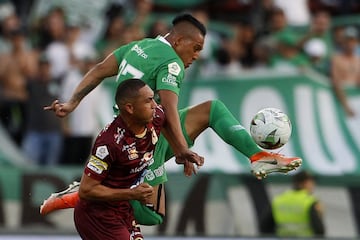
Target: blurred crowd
(44,55)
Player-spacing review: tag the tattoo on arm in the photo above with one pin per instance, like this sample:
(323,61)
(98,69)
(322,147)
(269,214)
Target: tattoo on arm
(83,92)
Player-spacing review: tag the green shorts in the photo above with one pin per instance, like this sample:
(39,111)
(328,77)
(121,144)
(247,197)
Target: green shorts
(156,173)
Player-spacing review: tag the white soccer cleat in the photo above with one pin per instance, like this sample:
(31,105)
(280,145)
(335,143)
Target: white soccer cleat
(264,163)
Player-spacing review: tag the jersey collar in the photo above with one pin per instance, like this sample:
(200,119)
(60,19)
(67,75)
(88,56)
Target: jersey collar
(162,39)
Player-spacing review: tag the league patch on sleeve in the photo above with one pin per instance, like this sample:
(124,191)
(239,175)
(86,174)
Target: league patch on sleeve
(97,165)
(101,152)
(174,68)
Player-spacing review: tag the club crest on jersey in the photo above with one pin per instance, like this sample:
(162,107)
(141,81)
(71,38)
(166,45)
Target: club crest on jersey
(133,153)
(97,165)
(119,135)
(101,152)
(148,158)
(174,68)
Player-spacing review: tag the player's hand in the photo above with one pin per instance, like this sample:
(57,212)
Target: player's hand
(188,155)
(60,109)
(143,192)
(189,169)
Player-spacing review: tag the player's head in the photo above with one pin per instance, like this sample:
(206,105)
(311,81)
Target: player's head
(135,99)
(303,180)
(187,37)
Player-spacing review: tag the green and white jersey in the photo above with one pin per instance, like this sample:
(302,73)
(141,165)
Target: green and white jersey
(152,60)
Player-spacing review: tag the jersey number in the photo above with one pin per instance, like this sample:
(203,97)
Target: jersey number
(126,68)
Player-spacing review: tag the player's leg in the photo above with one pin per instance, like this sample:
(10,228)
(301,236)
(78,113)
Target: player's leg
(214,114)
(151,214)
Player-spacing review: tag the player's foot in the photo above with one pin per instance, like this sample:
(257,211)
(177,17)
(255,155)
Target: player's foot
(264,163)
(61,200)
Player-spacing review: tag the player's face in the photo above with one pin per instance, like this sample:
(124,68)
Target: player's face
(144,106)
(189,48)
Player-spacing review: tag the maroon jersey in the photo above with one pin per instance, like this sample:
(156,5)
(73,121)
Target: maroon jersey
(119,160)
(118,157)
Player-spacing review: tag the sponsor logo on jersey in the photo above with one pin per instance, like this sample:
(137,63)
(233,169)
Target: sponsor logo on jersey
(126,147)
(132,153)
(174,68)
(140,52)
(150,175)
(97,165)
(138,169)
(159,171)
(101,152)
(170,79)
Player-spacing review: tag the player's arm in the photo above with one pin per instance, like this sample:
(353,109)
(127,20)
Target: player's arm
(92,189)
(336,75)
(172,129)
(107,68)
(316,220)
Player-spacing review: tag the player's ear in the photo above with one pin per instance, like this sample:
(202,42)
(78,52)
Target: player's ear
(129,108)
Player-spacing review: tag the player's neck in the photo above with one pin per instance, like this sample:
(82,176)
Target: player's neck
(136,127)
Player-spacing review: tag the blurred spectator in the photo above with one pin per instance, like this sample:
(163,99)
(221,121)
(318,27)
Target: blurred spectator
(315,49)
(43,137)
(226,60)
(320,28)
(9,22)
(278,28)
(277,24)
(158,27)
(246,38)
(51,28)
(262,53)
(345,70)
(296,212)
(288,56)
(112,37)
(92,114)
(54,43)
(17,66)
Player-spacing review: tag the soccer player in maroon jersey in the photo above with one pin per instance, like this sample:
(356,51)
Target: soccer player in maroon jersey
(119,158)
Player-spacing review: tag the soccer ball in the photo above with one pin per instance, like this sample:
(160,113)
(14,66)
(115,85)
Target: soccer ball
(270,128)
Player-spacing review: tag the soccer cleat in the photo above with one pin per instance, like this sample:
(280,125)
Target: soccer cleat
(61,200)
(264,163)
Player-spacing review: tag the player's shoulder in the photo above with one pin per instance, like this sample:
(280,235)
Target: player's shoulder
(159,116)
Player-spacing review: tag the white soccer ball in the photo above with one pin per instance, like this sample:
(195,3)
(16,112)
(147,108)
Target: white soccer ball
(270,128)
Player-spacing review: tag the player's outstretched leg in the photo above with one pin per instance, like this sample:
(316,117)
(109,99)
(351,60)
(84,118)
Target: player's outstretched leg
(61,200)
(215,114)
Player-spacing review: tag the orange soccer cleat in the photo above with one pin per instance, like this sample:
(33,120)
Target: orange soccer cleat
(264,163)
(61,200)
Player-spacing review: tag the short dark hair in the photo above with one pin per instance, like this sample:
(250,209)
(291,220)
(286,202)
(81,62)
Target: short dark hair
(301,177)
(187,17)
(128,89)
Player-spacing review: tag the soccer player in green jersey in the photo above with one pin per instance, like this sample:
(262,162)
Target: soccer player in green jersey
(161,62)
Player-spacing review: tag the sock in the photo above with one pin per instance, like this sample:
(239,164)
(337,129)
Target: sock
(229,129)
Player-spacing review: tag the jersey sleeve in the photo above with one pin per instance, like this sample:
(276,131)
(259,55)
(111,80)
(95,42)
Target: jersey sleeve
(119,53)
(170,76)
(99,162)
